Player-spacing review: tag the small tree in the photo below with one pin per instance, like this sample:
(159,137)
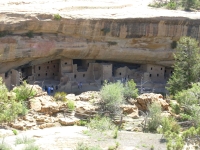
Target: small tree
(112,96)
(187,4)
(130,90)
(186,66)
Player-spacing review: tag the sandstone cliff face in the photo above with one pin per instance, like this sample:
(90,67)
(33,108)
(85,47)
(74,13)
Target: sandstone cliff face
(33,39)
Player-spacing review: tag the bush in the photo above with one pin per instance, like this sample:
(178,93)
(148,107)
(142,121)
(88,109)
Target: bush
(130,90)
(154,115)
(60,96)
(70,105)
(31,147)
(82,146)
(185,117)
(4,146)
(112,96)
(101,124)
(169,124)
(188,4)
(57,17)
(24,92)
(14,132)
(24,140)
(9,109)
(171,5)
(175,108)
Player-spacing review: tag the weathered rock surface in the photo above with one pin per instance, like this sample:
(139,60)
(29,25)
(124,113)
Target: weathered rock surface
(130,111)
(111,30)
(146,99)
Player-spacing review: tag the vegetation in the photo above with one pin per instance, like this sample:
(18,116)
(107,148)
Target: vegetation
(70,105)
(57,17)
(114,94)
(4,146)
(82,146)
(24,140)
(30,34)
(31,147)
(186,67)
(130,90)
(9,107)
(60,96)
(24,92)
(174,4)
(154,115)
(14,132)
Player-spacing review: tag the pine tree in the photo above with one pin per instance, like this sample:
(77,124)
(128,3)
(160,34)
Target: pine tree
(186,66)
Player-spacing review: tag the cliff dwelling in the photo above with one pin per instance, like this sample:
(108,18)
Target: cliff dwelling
(66,75)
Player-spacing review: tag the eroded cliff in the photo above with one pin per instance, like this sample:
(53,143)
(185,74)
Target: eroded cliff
(33,38)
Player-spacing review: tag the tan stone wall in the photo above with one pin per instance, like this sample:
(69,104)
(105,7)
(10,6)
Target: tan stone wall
(15,77)
(48,70)
(106,71)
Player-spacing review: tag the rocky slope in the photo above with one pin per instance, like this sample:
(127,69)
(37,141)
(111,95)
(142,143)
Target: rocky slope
(106,30)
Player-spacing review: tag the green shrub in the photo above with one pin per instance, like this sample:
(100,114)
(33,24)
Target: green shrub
(112,96)
(24,140)
(82,123)
(188,4)
(130,90)
(171,5)
(185,117)
(115,133)
(82,146)
(14,132)
(57,17)
(101,124)
(29,34)
(31,147)
(70,105)
(60,96)
(154,115)
(175,108)
(24,92)
(169,124)
(4,146)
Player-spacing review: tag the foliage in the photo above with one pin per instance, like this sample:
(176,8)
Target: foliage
(31,147)
(169,124)
(175,108)
(70,105)
(188,4)
(154,115)
(14,132)
(60,96)
(186,66)
(171,5)
(9,108)
(24,140)
(112,96)
(4,146)
(24,92)
(115,134)
(130,90)
(101,124)
(185,117)
(29,34)
(82,123)
(195,115)
(57,17)
(82,146)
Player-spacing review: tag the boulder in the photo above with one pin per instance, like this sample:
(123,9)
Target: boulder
(85,109)
(71,97)
(46,125)
(144,100)
(130,110)
(68,121)
(18,126)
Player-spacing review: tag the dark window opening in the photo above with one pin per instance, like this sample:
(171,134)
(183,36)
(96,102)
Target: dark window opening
(128,76)
(165,71)
(120,74)
(65,63)
(22,70)
(74,76)
(83,75)
(38,75)
(51,61)
(48,61)
(39,68)
(47,67)
(151,68)
(157,75)
(160,68)
(54,66)
(53,74)
(149,75)
(173,44)
(6,74)
(88,64)
(77,61)
(10,72)
(171,71)
(46,74)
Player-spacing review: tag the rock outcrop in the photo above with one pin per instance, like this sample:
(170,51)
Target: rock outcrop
(33,36)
